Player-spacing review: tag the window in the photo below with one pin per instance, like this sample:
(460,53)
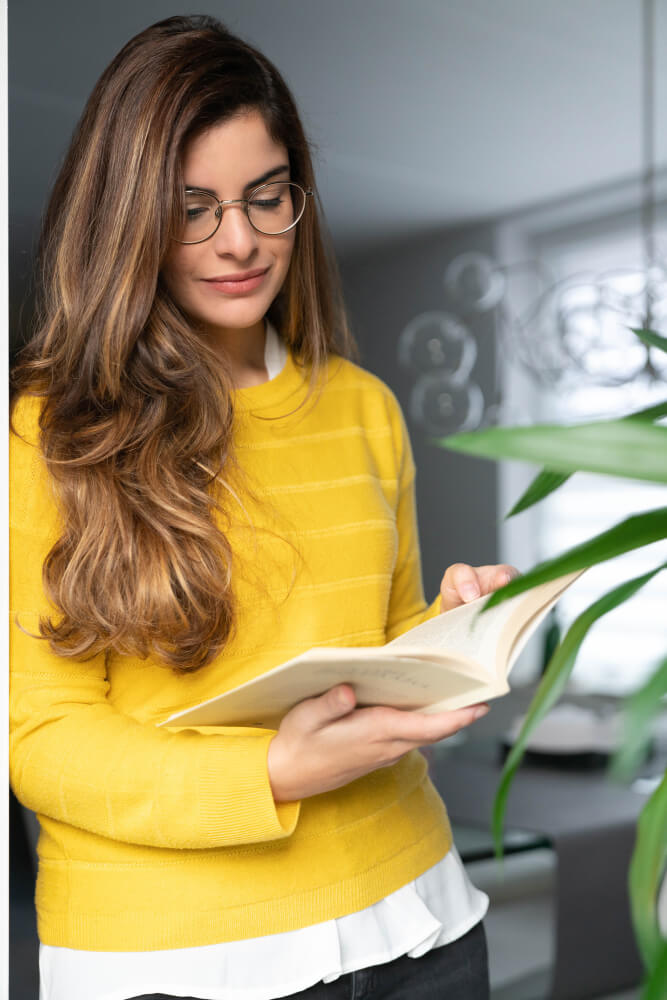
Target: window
(623,647)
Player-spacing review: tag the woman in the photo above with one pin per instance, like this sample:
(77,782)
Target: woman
(204,485)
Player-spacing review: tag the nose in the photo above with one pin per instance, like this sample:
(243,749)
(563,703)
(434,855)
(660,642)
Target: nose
(235,235)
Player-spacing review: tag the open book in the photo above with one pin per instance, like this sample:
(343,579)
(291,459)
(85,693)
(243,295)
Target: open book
(453,660)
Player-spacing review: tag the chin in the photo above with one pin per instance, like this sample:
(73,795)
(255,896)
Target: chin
(244,317)
(240,313)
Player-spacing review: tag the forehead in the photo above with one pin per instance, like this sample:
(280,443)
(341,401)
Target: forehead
(232,153)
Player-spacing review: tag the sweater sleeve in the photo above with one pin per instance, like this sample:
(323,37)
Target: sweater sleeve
(76,758)
(407,605)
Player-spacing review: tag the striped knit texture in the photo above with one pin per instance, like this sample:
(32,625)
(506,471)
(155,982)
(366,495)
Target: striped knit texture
(165,838)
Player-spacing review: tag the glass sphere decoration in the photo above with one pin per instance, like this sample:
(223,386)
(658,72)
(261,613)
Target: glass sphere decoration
(437,341)
(474,283)
(596,338)
(658,358)
(443,405)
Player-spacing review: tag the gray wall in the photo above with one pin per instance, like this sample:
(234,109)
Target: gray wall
(456,494)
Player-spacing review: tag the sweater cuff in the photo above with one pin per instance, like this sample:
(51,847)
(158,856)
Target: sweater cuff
(433,610)
(236,800)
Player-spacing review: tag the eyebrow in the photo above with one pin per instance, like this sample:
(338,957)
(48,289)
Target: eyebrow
(252,184)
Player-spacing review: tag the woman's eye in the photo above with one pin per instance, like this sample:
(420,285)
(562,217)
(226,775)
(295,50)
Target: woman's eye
(266,202)
(197,208)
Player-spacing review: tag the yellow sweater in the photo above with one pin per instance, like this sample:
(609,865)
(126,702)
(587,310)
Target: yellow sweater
(165,838)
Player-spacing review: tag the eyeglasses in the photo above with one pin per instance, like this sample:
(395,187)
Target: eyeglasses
(272,209)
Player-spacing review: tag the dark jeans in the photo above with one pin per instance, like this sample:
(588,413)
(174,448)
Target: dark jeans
(456,971)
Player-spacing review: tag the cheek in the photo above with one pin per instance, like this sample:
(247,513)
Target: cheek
(286,253)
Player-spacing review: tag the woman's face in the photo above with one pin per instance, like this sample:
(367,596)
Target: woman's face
(230,160)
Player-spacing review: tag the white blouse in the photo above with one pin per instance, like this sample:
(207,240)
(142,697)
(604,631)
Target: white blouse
(432,910)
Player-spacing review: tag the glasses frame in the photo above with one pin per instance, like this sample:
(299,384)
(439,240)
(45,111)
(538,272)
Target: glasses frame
(307,193)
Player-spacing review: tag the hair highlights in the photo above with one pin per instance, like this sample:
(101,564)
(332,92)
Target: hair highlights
(136,422)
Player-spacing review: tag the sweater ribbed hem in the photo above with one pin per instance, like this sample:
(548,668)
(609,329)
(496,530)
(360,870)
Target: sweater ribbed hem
(155,915)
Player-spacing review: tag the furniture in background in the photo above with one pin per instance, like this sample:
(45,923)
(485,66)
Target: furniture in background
(588,824)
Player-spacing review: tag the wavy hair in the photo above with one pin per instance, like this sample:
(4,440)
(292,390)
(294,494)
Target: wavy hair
(136,417)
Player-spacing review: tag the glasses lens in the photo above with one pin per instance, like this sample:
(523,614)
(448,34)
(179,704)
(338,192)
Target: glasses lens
(276,207)
(200,219)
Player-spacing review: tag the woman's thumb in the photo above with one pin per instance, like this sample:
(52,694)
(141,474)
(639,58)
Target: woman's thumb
(315,713)
(338,702)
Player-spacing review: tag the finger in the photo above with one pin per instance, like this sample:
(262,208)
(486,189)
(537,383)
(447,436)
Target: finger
(328,707)
(459,585)
(419,728)
(493,577)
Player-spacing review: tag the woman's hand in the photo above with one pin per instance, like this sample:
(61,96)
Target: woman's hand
(462,583)
(326,742)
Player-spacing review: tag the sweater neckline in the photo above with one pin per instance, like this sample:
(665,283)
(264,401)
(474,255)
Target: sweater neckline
(285,384)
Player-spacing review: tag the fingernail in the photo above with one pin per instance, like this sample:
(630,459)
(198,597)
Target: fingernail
(479,712)
(470,591)
(343,697)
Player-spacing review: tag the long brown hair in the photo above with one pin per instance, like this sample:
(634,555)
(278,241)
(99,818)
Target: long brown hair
(136,417)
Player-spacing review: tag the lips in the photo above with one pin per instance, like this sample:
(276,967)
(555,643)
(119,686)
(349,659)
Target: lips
(239,276)
(238,283)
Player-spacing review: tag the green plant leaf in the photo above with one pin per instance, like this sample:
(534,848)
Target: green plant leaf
(544,483)
(632,533)
(654,412)
(634,449)
(647,868)
(651,338)
(547,481)
(552,684)
(654,987)
(640,710)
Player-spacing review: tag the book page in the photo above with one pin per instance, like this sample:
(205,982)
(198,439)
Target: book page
(378,678)
(520,626)
(494,639)
(460,631)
